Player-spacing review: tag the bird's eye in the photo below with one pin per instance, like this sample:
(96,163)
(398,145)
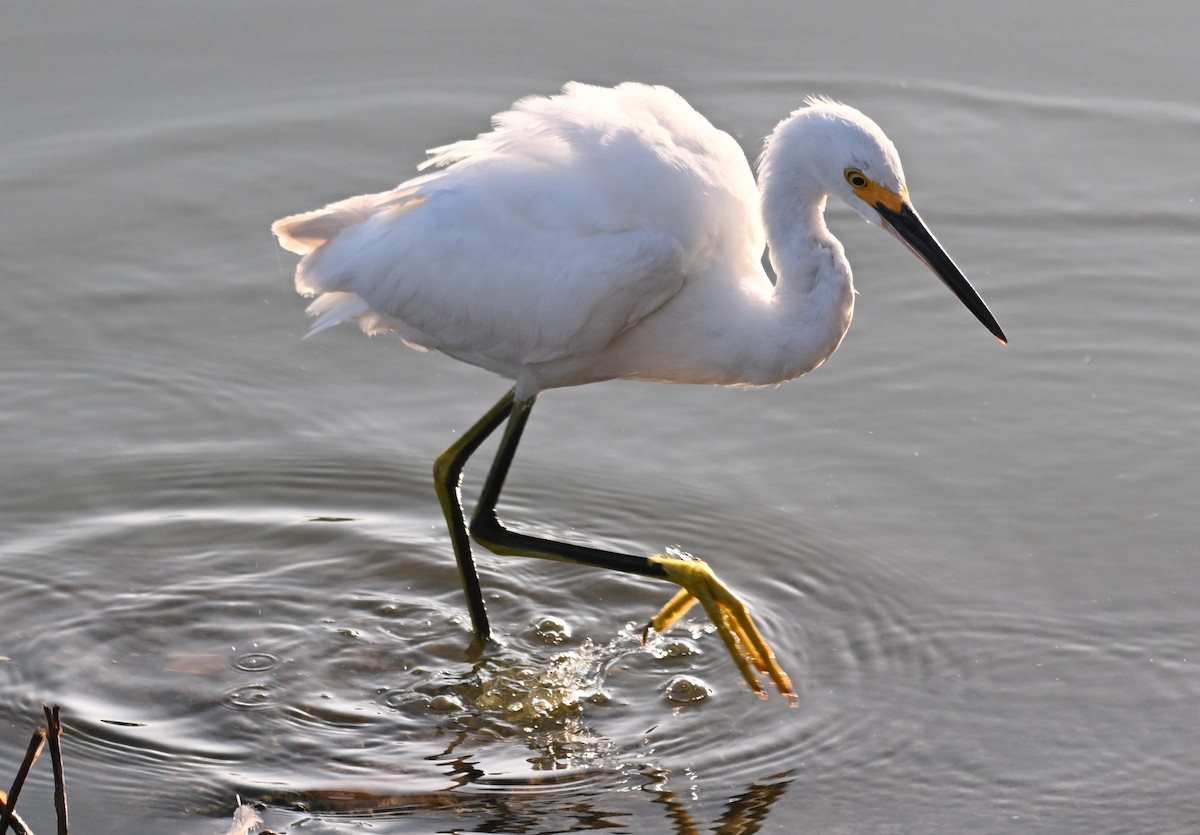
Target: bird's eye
(856,178)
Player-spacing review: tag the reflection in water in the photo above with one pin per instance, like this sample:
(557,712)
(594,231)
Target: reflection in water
(743,814)
(270,654)
(572,778)
(325,667)
(551,805)
(528,809)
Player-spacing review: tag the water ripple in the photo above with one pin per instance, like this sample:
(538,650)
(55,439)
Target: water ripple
(258,649)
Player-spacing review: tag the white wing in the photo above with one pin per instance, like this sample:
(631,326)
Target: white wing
(547,237)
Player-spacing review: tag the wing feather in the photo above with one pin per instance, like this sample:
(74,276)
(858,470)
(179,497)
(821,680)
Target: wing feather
(573,219)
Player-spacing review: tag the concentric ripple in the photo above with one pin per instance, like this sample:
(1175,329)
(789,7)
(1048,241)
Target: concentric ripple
(256,648)
(246,642)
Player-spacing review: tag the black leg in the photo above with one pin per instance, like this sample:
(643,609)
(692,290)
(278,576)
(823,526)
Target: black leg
(447,479)
(698,583)
(487,530)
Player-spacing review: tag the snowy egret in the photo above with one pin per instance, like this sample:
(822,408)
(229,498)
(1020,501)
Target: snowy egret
(608,233)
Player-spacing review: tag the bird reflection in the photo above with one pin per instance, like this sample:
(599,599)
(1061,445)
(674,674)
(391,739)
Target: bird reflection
(536,807)
(510,769)
(517,740)
(744,813)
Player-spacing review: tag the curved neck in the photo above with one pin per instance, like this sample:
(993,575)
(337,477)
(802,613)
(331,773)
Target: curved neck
(729,325)
(814,294)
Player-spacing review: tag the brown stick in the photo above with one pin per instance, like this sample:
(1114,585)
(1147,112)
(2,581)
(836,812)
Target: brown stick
(54,727)
(19,827)
(31,755)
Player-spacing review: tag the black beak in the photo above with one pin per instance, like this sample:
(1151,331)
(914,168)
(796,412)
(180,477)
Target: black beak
(907,226)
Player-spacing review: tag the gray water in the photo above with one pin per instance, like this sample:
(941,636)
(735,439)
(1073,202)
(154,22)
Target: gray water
(220,549)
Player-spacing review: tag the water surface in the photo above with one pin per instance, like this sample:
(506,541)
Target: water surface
(221,551)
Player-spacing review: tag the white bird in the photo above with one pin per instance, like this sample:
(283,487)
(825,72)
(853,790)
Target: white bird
(613,233)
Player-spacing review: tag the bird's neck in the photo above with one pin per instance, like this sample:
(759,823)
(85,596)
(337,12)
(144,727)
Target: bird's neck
(733,327)
(793,212)
(813,299)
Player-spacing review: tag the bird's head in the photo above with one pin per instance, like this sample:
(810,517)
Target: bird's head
(851,158)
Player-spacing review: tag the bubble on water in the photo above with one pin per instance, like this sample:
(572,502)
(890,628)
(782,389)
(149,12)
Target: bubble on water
(678,648)
(256,662)
(258,696)
(551,630)
(686,690)
(445,704)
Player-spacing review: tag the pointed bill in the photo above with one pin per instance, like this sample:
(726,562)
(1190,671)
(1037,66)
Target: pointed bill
(906,225)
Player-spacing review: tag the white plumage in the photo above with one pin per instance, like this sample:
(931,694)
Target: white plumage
(540,249)
(610,233)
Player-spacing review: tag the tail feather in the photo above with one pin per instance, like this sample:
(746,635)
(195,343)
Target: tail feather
(305,232)
(333,309)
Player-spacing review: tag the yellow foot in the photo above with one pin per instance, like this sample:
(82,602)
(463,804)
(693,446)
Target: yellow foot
(728,613)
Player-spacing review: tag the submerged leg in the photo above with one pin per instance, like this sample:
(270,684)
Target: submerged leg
(447,480)
(728,613)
